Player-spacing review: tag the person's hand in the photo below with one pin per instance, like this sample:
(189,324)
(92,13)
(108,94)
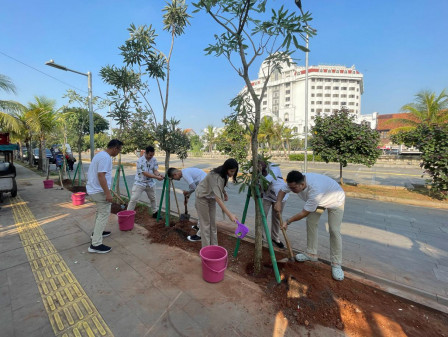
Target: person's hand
(278,207)
(109,197)
(233,218)
(285,224)
(226,197)
(159,177)
(186,194)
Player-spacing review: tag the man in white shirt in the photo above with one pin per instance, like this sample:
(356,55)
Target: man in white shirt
(145,180)
(99,178)
(320,193)
(193,176)
(274,177)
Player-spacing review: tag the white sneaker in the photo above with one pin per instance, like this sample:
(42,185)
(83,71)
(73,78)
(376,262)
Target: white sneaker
(304,257)
(337,273)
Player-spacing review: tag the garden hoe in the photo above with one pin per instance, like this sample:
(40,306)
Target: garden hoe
(123,204)
(291,254)
(185,216)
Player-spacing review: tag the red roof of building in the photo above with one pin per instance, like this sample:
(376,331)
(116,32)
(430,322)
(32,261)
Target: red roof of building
(384,124)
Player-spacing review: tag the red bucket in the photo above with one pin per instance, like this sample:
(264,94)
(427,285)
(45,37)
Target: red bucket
(214,263)
(78,198)
(126,220)
(48,183)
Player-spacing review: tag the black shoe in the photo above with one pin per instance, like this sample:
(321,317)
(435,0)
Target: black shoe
(105,234)
(193,238)
(279,244)
(101,249)
(195,227)
(154,215)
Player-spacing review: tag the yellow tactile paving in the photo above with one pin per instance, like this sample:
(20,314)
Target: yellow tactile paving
(69,309)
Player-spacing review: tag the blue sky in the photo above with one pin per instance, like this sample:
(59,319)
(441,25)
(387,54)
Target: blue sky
(400,46)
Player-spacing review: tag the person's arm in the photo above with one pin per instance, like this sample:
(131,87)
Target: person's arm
(155,175)
(226,197)
(103,183)
(231,216)
(297,217)
(278,204)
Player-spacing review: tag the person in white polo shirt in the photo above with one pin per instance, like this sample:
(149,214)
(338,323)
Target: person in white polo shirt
(145,180)
(320,193)
(193,176)
(99,178)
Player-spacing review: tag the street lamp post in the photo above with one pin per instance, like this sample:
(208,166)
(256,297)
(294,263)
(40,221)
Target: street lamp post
(89,85)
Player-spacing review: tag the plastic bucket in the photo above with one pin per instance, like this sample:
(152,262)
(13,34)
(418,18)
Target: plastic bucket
(48,183)
(78,198)
(214,263)
(126,220)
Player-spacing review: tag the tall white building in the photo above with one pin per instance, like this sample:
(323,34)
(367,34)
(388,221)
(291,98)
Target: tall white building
(329,89)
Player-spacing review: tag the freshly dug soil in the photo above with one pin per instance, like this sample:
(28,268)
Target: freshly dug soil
(307,294)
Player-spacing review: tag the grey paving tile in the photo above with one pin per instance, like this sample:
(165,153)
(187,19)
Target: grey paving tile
(6,322)
(441,275)
(28,319)
(12,258)
(10,242)
(5,298)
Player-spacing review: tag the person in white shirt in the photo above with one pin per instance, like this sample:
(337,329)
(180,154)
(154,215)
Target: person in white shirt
(99,178)
(274,177)
(193,176)
(145,180)
(320,193)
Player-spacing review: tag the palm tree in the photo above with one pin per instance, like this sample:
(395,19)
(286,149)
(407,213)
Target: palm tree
(287,136)
(427,109)
(210,137)
(7,121)
(42,118)
(267,131)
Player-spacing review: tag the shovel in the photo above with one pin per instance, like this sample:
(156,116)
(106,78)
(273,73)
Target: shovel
(185,216)
(123,204)
(291,254)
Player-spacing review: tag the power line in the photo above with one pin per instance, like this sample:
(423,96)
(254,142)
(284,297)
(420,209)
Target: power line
(65,83)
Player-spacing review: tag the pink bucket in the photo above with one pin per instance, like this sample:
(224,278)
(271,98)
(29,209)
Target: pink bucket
(48,183)
(214,263)
(78,198)
(126,220)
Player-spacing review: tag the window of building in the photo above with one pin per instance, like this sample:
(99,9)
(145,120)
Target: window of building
(319,87)
(318,111)
(335,103)
(351,96)
(357,97)
(356,104)
(335,95)
(351,88)
(318,102)
(335,80)
(313,80)
(286,117)
(287,85)
(287,99)
(287,92)
(351,103)
(328,80)
(275,102)
(344,81)
(312,102)
(343,95)
(265,102)
(344,103)
(313,87)
(335,110)
(318,95)
(295,129)
(352,81)
(275,94)
(351,110)
(357,89)
(343,88)
(327,110)
(312,110)
(327,95)
(327,102)
(320,80)
(265,108)
(335,88)
(286,105)
(327,87)
(312,95)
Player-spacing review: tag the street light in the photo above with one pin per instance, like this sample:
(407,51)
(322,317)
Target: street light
(305,162)
(89,85)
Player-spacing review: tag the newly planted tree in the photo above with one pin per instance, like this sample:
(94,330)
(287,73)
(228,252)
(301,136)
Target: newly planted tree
(248,32)
(337,138)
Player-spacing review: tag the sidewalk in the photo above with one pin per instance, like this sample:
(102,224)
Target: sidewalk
(50,284)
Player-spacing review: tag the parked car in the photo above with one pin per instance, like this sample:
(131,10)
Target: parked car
(47,153)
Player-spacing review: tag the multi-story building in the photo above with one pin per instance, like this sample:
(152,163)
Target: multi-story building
(329,89)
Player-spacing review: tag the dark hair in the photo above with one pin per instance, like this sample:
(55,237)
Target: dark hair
(228,165)
(171,171)
(114,143)
(295,177)
(150,149)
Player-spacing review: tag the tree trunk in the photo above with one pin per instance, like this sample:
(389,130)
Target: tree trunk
(340,174)
(167,160)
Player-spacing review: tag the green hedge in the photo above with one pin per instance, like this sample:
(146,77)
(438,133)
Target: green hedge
(301,157)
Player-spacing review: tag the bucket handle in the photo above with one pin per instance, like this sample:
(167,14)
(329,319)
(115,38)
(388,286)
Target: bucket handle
(216,271)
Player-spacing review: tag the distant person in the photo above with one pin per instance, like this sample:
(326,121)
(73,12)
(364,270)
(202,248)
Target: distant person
(320,193)
(145,180)
(193,176)
(70,160)
(99,178)
(211,191)
(273,175)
